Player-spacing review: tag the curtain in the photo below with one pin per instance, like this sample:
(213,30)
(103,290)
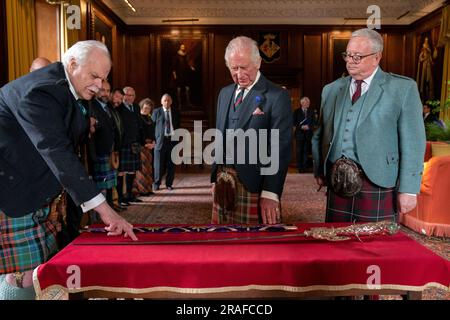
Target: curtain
(444,40)
(21,34)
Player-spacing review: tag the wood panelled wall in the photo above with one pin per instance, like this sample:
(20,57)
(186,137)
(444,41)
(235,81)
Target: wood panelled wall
(304,67)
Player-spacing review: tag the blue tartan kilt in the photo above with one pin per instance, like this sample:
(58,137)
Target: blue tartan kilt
(105,177)
(27,241)
(129,162)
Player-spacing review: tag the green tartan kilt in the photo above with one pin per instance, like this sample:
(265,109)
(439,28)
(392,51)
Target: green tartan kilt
(27,241)
(104,176)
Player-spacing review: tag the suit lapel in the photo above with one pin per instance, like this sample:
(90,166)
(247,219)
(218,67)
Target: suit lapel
(251,102)
(373,95)
(225,103)
(162,119)
(342,93)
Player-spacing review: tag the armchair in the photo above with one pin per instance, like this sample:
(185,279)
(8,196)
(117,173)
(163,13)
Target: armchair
(432,214)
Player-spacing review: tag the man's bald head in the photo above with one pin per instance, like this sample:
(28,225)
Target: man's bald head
(39,63)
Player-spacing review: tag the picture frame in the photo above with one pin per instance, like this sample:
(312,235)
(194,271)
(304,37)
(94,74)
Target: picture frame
(182,70)
(337,45)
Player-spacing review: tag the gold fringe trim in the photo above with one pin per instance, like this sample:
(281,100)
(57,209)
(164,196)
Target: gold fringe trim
(41,294)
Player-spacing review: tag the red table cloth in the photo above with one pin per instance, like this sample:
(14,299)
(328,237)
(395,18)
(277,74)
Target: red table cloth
(291,264)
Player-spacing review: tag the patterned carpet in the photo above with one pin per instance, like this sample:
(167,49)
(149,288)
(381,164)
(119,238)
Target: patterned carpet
(190,202)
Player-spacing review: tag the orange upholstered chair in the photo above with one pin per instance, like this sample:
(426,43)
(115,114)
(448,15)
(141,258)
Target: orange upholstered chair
(432,214)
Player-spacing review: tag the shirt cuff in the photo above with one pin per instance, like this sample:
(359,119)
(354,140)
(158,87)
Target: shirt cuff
(270,195)
(94,202)
(411,194)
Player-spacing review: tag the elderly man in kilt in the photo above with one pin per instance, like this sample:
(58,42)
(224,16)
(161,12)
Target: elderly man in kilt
(41,122)
(252,104)
(104,175)
(369,146)
(130,151)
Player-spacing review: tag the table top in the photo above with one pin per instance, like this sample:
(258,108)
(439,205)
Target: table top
(294,264)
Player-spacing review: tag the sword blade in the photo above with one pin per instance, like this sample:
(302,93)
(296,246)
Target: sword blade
(193,241)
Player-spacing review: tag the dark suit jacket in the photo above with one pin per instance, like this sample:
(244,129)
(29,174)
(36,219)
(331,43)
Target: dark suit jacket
(118,127)
(132,125)
(159,120)
(40,124)
(299,120)
(431,118)
(104,130)
(276,105)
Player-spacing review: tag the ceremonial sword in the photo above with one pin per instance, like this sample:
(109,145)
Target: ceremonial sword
(318,233)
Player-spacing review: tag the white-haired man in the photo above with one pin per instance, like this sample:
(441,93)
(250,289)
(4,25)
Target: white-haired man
(41,122)
(251,104)
(369,145)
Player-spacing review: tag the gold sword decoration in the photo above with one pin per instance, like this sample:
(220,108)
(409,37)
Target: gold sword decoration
(318,233)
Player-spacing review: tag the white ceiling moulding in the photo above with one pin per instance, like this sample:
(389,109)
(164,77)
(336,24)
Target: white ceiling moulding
(300,12)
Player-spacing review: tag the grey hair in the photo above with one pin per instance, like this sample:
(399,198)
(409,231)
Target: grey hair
(81,50)
(166,95)
(374,37)
(240,44)
(147,101)
(305,98)
(125,89)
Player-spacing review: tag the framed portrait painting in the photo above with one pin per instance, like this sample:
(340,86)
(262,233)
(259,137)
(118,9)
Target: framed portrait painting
(337,45)
(182,70)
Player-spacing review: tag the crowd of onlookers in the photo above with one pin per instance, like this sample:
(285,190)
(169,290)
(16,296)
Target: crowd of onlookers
(128,148)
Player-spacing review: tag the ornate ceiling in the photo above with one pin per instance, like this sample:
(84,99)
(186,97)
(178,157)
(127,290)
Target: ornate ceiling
(317,12)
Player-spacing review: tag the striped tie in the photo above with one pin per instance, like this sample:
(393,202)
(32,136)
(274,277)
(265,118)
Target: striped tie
(357,93)
(166,123)
(239,98)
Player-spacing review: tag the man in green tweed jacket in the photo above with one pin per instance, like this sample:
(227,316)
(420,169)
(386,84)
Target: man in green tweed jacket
(374,119)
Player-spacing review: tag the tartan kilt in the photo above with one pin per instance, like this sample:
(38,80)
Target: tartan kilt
(143,181)
(129,162)
(105,176)
(372,204)
(246,207)
(27,241)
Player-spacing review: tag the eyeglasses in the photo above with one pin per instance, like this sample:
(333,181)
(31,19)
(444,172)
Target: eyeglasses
(355,57)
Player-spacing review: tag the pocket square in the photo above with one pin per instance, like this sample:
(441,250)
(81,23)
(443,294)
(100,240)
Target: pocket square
(258,112)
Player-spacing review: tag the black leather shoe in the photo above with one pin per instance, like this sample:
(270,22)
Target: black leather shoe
(124,203)
(135,200)
(147,194)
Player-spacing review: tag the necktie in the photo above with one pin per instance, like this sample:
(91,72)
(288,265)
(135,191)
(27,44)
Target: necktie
(82,108)
(105,107)
(357,93)
(167,123)
(239,98)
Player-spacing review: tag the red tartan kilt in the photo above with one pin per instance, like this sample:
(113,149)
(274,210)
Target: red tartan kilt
(246,209)
(372,204)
